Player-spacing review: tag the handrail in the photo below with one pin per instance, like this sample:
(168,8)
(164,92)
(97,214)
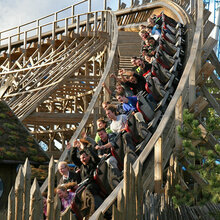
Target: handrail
(113,28)
(54,16)
(169,111)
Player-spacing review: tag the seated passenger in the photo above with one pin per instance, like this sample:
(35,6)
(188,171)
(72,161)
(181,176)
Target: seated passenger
(118,125)
(143,67)
(67,175)
(106,142)
(66,197)
(101,123)
(136,82)
(88,162)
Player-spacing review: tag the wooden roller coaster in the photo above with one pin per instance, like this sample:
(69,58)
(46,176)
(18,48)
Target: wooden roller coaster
(52,75)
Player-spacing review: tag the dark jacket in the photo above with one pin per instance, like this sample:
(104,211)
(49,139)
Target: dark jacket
(73,177)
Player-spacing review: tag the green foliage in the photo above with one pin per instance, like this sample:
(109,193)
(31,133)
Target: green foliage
(205,159)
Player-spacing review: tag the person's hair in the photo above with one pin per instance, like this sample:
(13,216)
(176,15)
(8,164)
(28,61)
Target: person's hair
(112,108)
(151,38)
(120,94)
(134,57)
(62,187)
(62,163)
(101,129)
(102,120)
(83,152)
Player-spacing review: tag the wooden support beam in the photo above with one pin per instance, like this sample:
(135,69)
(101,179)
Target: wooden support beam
(198,106)
(204,73)
(54,118)
(207,48)
(211,99)
(209,26)
(4,88)
(158,166)
(196,176)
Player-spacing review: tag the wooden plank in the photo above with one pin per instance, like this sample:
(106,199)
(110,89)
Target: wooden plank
(27,186)
(139,191)
(207,48)
(66,214)
(216,80)
(36,204)
(11,205)
(209,26)
(196,175)
(211,99)
(198,106)
(4,88)
(214,60)
(178,122)
(158,174)
(204,73)
(120,204)
(50,195)
(19,190)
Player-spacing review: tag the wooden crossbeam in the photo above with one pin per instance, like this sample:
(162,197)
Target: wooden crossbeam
(207,48)
(204,73)
(54,118)
(198,106)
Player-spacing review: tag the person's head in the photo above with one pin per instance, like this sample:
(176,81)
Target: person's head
(62,191)
(84,157)
(111,112)
(121,97)
(151,41)
(102,134)
(150,22)
(148,29)
(133,61)
(139,62)
(101,123)
(119,88)
(63,168)
(105,104)
(133,79)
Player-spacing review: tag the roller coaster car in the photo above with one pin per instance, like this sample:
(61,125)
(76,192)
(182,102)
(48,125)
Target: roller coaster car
(145,106)
(154,87)
(133,127)
(83,204)
(106,178)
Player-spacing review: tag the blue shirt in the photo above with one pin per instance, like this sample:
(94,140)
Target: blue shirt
(131,105)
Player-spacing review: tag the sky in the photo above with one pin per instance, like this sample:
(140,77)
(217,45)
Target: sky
(17,12)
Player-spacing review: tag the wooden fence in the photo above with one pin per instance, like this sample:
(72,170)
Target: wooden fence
(25,201)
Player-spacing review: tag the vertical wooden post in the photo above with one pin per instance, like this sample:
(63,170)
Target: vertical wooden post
(126,185)
(11,205)
(178,121)
(139,191)
(158,173)
(36,203)
(19,190)
(27,186)
(57,207)
(66,27)
(120,204)
(73,12)
(89,6)
(50,196)
(192,84)
(105,5)
(132,206)
(119,4)
(77,24)
(19,30)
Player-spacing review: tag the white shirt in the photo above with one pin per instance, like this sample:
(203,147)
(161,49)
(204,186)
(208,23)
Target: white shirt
(119,123)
